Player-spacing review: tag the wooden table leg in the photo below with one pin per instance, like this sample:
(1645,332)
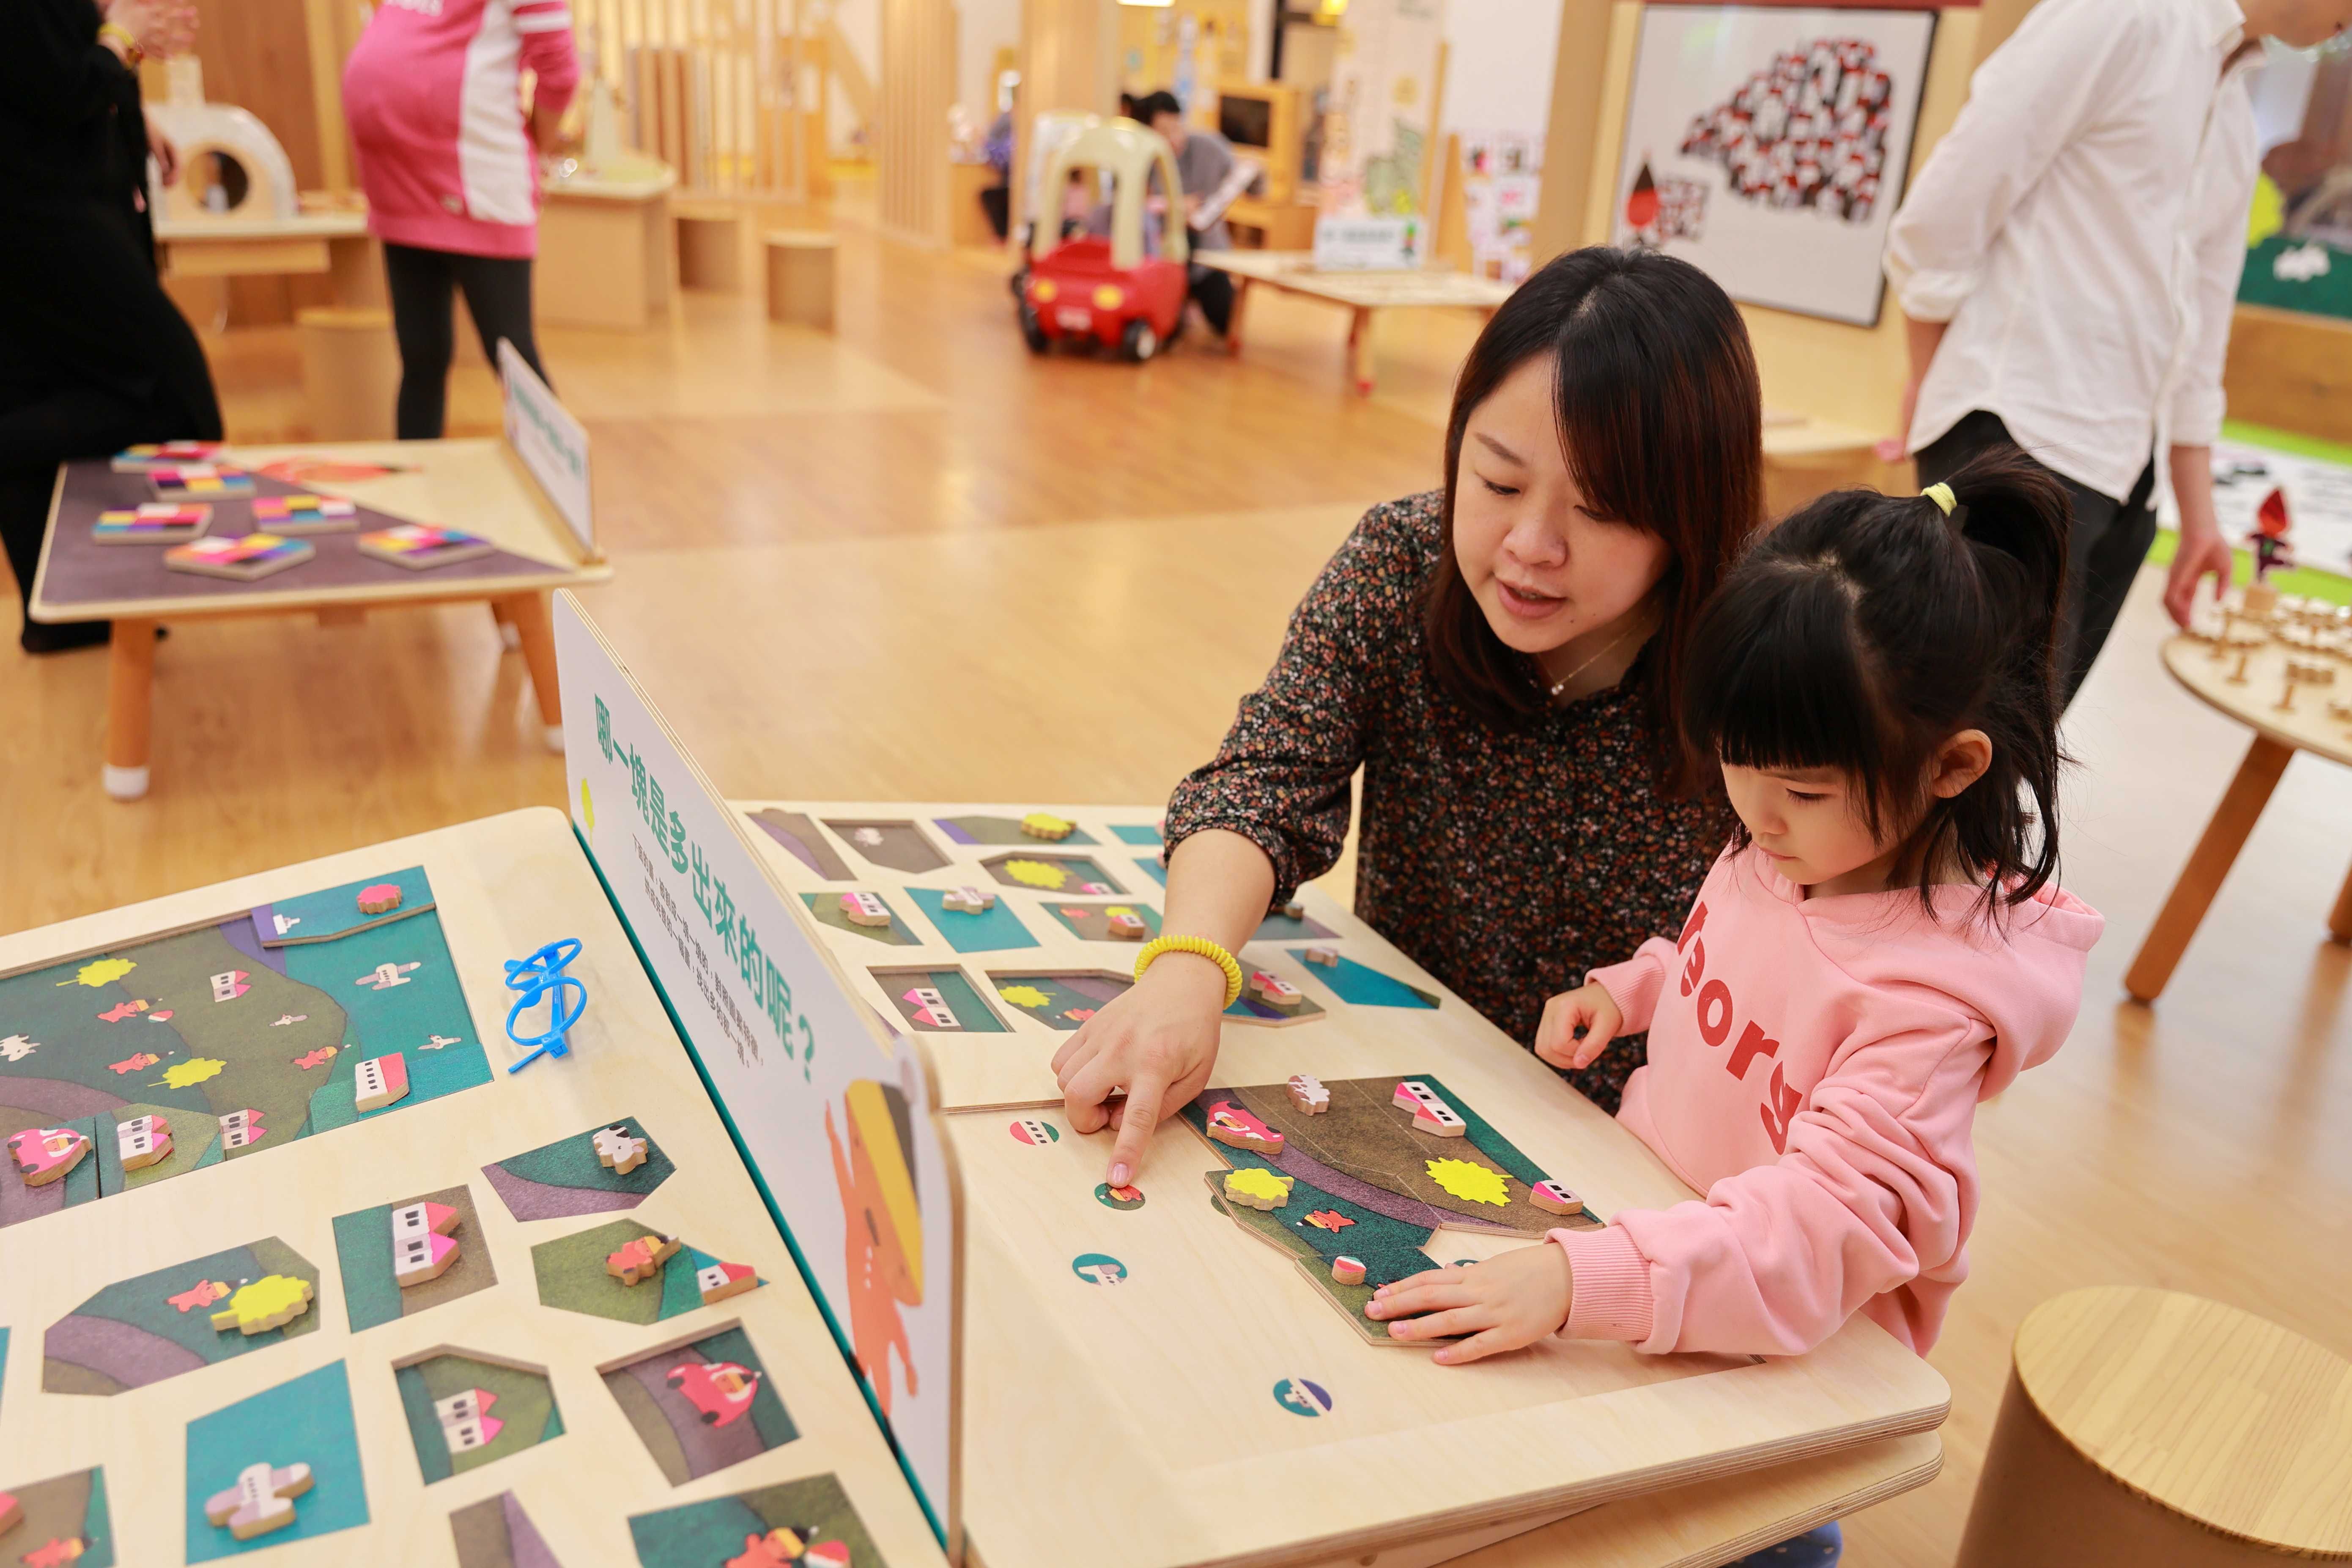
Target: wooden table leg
(2192,894)
(1234,321)
(129,704)
(1360,350)
(2339,921)
(508,638)
(536,629)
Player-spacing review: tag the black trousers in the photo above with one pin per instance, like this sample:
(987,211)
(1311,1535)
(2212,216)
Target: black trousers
(2104,549)
(420,282)
(1214,292)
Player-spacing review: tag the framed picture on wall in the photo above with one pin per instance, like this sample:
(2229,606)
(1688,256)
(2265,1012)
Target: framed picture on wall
(1768,145)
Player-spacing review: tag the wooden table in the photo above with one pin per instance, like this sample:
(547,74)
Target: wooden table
(606,256)
(2277,737)
(1157,1391)
(475,485)
(336,243)
(1359,293)
(502,886)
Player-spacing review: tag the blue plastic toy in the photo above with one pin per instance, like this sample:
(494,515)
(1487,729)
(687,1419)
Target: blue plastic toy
(541,976)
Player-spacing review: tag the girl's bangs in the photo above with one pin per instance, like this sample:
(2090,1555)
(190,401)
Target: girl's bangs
(1778,685)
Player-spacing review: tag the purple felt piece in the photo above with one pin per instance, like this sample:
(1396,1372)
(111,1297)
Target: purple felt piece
(83,571)
(528,1200)
(955,834)
(243,934)
(524,1544)
(55,1100)
(19,1202)
(707,1448)
(124,1351)
(1397,1207)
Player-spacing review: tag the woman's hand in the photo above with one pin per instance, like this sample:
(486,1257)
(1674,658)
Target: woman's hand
(1589,1008)
(1155,1044)
(1510,1301)
(166,156)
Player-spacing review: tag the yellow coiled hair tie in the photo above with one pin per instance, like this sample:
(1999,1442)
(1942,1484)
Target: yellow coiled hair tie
(1942,496)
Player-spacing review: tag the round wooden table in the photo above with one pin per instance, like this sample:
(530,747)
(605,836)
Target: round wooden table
(2306,726)
(2146,1426)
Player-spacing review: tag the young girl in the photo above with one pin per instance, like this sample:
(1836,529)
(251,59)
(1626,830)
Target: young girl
(1882,945)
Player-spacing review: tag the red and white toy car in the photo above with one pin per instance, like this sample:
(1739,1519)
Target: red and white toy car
(1101,289)
(721,1390)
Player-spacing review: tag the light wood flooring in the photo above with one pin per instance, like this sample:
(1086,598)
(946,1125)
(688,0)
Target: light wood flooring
(908,561)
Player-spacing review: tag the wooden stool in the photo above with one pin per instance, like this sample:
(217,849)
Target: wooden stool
(709,246)
(800,277)
(351,371)
(2145,1427)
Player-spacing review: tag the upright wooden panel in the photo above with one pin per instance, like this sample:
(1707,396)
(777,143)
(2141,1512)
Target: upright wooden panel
(2291,371)
(911,143)
(1579,75)
(1068,51)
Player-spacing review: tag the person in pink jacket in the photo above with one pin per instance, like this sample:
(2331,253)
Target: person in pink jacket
(449,162)
(1882,945)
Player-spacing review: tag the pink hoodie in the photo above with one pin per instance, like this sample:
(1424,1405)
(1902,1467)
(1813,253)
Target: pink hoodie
(1816,1066)
(433,92)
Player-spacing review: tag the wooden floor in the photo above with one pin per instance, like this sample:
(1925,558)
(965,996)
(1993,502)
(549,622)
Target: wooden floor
(909,562)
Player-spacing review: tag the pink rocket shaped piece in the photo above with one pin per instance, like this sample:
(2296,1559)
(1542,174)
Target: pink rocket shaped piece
(1231,1125)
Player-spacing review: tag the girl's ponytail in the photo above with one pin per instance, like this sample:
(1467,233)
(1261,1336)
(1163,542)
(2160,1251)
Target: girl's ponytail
(2016,516)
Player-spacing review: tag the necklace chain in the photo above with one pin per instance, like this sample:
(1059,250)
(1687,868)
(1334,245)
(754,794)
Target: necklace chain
(1613,644)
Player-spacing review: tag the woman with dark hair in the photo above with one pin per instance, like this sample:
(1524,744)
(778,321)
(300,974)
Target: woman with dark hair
(1501,658)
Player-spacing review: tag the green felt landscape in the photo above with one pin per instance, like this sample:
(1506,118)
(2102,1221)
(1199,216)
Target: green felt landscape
(702,1404)
(972,1015)
(1388,1249)
(816,1510)
(1091,921)
(995,930)
(158,1325)
(1360,986)
(1002,830)
(1058,1001)
(899,844)
(335,911)
(372,1295)
(573,1275)
(310,1416)
(1043,872)
(522,1403)
(568,1177)
(57,1512)
(826,908)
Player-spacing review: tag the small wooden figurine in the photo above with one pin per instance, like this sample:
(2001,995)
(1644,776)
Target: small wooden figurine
(1257,1187)
(1047,825)
(969,901)
(379,898)
(379,1082)
(229,984)
(465,1420)
(1294,911)
(720,1280)
(269,1303)
(640,1259)
(143,1141)
(1553,1198)
(2303,672)
(421,1246)
(240,1128)
(1126,925)
(1276,992)
(1231,1125)
(2272,551)
(1308,1095)
(1329,957)
(1347,1270)
(931,1009)
(45,1155)
(386,976)
(619,1149)
(865,909)
(1430,1114)
(262,1501)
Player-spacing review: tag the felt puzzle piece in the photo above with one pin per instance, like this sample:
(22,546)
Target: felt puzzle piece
(804,1523)
(570,1176)
(1078,875)
(271,1302)
(309,1418)
(1122,923)
(938,1001)
(575,1274)
(1307,1095)
(1235,1126)
(60,1522)
(497,1533)
(378,1081)
(874,918)
(1430,1114)
(701,1404)
(401,1259)
(799,838)
(1388,1249)
(980,828)
(899,845)
(262,1501)
(1258,1187)
(1282,926)
(977,923)
(1061,1000)
(46,1154)
(331,913)
(1360,986)
(446,1393)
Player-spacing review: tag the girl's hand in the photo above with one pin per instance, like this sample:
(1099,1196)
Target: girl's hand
(1510,1301)
(1588,1007)
(1155,1044)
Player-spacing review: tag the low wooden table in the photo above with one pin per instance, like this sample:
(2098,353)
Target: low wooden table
(1361,293)
(605,251)
(336,243)
(2309,727)
(475,485)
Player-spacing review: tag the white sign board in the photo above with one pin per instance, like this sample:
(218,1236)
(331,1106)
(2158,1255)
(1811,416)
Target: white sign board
(1377,129)
(551,444)
(832,1109)
(1366,244)
(1768,145)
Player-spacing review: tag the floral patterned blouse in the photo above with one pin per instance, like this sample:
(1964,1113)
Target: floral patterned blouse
(1505,863)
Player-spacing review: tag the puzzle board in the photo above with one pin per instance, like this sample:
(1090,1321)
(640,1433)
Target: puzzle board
(500,888)
(1220,1407)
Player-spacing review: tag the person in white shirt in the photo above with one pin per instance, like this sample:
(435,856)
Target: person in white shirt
(2067,262)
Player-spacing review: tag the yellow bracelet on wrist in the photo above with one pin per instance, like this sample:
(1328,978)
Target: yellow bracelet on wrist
(1200,946)
(123,34)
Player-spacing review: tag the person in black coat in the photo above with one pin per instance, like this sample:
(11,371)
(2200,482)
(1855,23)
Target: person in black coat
(93,354)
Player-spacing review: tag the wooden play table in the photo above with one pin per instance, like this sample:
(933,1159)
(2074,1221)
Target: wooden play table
(1359,293)
(2205,670)
(475,485)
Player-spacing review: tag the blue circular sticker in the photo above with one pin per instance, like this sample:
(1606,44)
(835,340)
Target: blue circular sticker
(1098,1268)
(1301,1397)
